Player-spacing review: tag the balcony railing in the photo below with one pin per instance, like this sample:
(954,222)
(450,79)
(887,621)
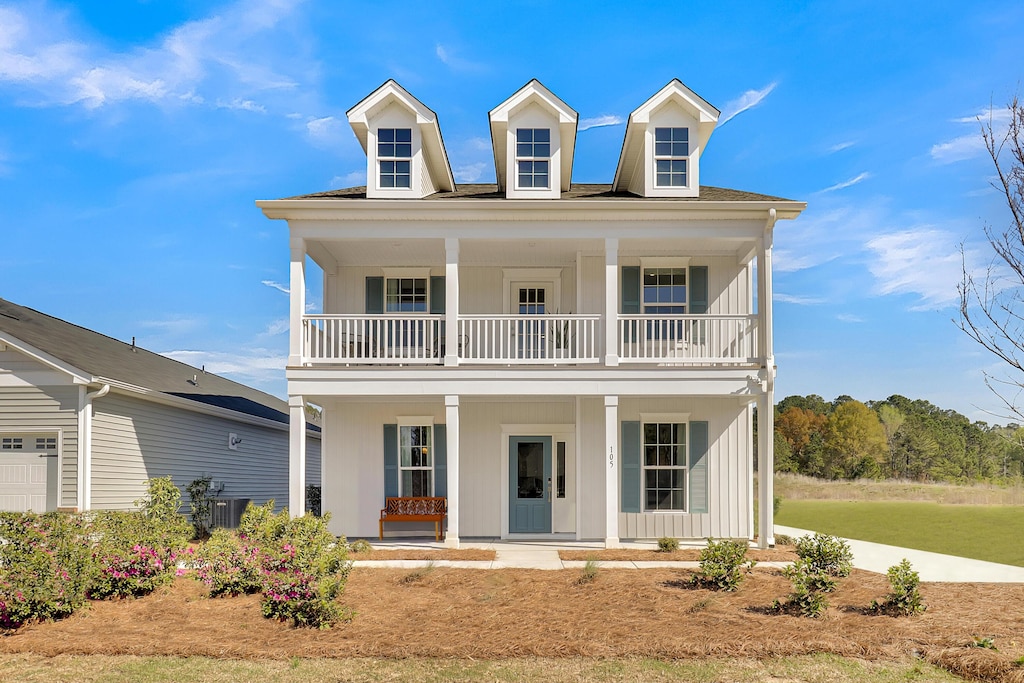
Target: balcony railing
(529,339)
(688,339)
(372,339)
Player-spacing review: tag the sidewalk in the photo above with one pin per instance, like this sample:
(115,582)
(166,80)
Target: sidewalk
(876,557)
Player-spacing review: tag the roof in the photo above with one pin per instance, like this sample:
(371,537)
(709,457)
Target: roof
(578,191)
(105,358)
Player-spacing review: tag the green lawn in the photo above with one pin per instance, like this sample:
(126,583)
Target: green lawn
(983,532)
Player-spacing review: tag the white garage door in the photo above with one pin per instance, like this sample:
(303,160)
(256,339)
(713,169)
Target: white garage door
(23,464)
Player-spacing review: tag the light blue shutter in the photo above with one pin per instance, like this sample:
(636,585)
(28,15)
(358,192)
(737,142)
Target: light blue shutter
(630,290)
(629,461)
(440,460)
(374,295)
(698,289)
(698,475)
(390,461)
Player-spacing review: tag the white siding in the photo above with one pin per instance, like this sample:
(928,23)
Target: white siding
(593,468)
(134,440)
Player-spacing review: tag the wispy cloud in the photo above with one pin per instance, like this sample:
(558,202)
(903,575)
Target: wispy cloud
(469,173)
(747,100)
(600,122)
(449,58)
(327,131)
(849,318)
(922,261)
(840,146)
(970,145)
(174,325)
(846,183)
(276,327)
(790,261)
(260,367)
(353,179)
(243,105)
(276,285)
(796,299)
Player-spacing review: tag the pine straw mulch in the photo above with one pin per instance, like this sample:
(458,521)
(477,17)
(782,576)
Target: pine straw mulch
(461,554)
(780,554)
(497,614)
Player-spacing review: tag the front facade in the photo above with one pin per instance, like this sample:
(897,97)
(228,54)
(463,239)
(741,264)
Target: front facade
(558,360)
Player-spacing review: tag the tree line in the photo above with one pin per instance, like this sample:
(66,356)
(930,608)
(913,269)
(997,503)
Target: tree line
(896,438)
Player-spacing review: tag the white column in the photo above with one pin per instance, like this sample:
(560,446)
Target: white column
(297,296)
(451,418)
(611,469)
(766,402)
(297,456)
(451,305)
(611,301)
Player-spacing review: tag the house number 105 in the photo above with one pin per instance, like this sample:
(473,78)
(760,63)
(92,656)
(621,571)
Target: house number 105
(611,457)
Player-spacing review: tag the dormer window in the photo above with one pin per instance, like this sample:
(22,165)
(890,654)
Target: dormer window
(671,154)
(394,154)
(533,157)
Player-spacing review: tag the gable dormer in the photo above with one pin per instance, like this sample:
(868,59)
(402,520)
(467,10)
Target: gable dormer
(405,155)
(664,140)
(533,134)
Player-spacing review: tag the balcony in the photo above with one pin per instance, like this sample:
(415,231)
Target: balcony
(529,340)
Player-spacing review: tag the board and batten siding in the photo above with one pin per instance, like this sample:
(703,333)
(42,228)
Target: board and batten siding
(593,468)
(36,398)
(730,471)
(135,440)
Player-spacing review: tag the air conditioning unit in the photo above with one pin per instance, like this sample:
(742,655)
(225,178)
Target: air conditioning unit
(227,512)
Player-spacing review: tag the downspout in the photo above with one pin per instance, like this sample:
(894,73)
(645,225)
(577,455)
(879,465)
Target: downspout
(85,466)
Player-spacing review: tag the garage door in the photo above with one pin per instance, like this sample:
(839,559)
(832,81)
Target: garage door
(23,463)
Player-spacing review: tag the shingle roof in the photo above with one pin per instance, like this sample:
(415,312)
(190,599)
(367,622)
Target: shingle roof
(591,191)
(102,356)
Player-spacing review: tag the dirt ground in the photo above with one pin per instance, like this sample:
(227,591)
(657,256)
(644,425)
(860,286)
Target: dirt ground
(495,614)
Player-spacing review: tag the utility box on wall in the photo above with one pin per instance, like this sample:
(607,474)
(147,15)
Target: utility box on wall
(227,512)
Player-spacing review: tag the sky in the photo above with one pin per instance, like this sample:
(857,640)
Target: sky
(135,137)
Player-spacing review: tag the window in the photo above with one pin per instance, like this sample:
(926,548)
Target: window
(671,151)
(394,152)
(664,466)
(415,460)
(664,291)
(533,156)
(406,295)
(11,443)
(47,443)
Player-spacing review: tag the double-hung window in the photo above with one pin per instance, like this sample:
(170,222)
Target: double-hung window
(394,155)
(671,154)
(533,157)
(406,295)
(416,460)
(664,293)
(664,466)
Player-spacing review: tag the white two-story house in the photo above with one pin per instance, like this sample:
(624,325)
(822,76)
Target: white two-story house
(559,360)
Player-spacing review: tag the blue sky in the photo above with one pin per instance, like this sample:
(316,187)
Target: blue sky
(135,137)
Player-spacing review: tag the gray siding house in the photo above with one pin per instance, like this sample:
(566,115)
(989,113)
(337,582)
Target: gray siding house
(85,420)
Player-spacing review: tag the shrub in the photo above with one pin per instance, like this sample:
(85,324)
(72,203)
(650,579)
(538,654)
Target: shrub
(228,566)
(589,572)
(825,554)
(360,545)
(810,585)
(162,502)
(304,598)
(201,504)
(45,566)
(904,598)
(134,572)
(667,545)
(776,504)
(721,565)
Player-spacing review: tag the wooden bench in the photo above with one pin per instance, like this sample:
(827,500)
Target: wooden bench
(423,509)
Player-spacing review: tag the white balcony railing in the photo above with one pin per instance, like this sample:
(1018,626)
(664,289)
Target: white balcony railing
(688,339)
(529,339)
(372,339)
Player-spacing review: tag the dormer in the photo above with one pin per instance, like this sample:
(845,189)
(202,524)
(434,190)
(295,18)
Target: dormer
(664,140)
(405,155)
(533,134)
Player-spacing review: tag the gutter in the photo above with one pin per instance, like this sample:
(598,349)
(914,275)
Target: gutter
(85,462)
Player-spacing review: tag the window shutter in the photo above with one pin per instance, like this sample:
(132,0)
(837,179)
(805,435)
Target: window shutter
(629,461)
(440,460)
(698,289)
(698,474)
(630,290)
(390,460)
(375,296)
(437,294)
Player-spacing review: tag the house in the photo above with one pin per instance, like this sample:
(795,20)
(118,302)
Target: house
(559,360)
(85,420)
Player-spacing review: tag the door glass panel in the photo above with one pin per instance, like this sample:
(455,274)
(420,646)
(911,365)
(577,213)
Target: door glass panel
(531,334)
(530,469)
(560,469)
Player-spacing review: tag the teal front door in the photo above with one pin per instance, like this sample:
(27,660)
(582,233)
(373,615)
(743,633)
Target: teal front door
(529,462)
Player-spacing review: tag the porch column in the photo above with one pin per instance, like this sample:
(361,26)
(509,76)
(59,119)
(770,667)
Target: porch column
(451,418)
(611,301)
(766,402)
(297,456)
(451,307)
(611,481)
(297,296)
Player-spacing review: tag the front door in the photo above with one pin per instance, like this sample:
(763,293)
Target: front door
(529,460)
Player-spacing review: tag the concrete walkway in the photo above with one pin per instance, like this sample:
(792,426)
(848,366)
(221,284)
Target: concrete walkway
(876,557)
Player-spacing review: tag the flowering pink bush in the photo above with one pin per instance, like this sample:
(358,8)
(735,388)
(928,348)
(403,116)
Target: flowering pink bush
(228,565)
(136,572)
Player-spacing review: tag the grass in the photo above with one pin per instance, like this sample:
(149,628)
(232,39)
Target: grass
(799,487)
(32,668)
(982,532)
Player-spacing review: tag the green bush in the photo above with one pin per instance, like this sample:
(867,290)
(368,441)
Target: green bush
(229,566)
(904,597)
(776,504)
(360,545)
(667,545)
(201,504)
(721,565)
(809,588)
(825,554)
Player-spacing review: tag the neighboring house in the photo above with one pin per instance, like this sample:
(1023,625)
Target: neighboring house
(560,360)
(85,420)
